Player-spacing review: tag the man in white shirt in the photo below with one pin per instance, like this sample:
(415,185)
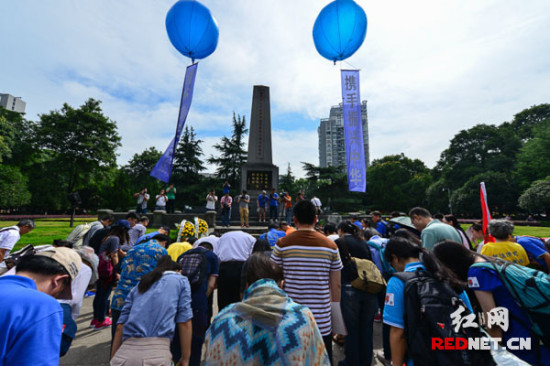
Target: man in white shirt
(9,236)
(233,250)
(317,203)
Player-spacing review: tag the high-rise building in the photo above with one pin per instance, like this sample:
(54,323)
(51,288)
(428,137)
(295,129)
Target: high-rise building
(332,151)
(12,103)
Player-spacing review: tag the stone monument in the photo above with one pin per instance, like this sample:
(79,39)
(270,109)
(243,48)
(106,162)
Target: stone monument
(259,173)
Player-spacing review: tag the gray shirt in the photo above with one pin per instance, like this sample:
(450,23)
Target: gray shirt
(156,312)
(242,202)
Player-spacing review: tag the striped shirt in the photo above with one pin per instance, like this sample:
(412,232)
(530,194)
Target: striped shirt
(307,258)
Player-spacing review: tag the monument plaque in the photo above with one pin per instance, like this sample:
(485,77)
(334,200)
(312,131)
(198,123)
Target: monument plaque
(259,173)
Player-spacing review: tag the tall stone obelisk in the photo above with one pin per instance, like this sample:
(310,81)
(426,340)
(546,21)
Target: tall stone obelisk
(259,173)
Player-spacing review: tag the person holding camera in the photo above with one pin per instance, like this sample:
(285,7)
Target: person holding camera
(211,200)
(273,205)
(162,199)
(226,202)
(142,198)
(243,202)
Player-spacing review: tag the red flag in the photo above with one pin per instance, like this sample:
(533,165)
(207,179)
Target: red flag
(486,213)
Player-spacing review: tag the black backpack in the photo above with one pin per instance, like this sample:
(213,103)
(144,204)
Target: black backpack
(429,304)
(194,265)
(97,239)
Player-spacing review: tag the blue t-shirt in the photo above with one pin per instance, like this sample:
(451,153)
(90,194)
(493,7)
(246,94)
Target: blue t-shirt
(381,227)
(156,312)
(31,324)
(484,279)
(273,199)
(534,248)
(272,236)
(394,305)
(262,200)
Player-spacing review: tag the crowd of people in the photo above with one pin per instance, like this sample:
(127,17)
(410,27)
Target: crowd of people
(283,298)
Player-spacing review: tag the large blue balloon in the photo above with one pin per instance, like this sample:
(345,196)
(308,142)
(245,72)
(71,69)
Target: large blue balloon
(192,29)
(340,30)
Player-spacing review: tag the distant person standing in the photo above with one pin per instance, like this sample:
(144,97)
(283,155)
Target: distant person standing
(9,236)
(273,205)
(226,202)
(379,224)
(162,199)
(262,204)
(142,198)
(226,188)
(287,207)
(243,201)
(432,230)
(171,194)
(211,200)
(317,203)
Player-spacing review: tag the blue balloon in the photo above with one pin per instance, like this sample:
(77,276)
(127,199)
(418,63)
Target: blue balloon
(192,29)
(340,30)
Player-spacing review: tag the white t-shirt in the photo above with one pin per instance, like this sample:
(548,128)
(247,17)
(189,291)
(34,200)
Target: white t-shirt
(235,246)
(161,200)
(8,237)
(78,289)
(316,202)
(211,202)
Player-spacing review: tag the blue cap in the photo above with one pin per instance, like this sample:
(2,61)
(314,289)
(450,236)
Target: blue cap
(123,223)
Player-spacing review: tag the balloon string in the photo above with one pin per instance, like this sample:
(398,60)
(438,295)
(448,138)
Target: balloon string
(356,68)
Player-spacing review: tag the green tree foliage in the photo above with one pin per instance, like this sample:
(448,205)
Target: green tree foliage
(537,197)
(139,169)
(502,194)
(525,121)
(191,186)
(476,150)
(533,161)
(397,182)
(15,138)
(287,182)
(13,186)
(81,142)
(232,153)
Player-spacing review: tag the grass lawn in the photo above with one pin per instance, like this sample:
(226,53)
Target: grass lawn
(47,230)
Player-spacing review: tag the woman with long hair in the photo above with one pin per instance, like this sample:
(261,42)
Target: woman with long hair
(491,292)
(110,254)
(151,311)
(358,307)
(404,256)
(453,221)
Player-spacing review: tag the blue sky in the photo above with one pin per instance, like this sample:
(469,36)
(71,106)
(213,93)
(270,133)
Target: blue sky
(428,69)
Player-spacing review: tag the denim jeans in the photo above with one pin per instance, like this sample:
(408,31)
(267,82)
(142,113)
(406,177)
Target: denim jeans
(358,310)
(273,213)
(226,215)
(101,300)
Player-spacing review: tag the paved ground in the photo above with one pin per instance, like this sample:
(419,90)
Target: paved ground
(91,347)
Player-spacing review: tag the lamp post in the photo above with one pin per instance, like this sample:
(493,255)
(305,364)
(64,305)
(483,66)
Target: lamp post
(449,194)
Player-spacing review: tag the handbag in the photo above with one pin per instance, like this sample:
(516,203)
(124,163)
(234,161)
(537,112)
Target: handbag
(369,278)
(105,269)
(14,257)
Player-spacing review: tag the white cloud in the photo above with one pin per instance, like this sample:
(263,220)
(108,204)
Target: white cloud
(428,68)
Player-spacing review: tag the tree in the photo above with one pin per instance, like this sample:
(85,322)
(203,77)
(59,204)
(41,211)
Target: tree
(537,197)
(232,154)
(534,157)
(525,121)
(501,191)
(81,142)
(479,149)
(139,169)
(188,154)
(286,182)
(13,186)
(397,182)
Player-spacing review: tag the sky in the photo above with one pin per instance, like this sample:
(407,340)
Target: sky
(428,69)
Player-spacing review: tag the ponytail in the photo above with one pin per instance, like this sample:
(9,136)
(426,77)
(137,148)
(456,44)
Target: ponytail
(165,263)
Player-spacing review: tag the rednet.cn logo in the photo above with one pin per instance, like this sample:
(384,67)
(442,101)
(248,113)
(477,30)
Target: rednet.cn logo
(495,317)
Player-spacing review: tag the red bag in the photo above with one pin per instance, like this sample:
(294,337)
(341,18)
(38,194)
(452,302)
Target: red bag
(105,269)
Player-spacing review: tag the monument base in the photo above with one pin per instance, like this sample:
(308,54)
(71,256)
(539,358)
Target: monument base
(259,177)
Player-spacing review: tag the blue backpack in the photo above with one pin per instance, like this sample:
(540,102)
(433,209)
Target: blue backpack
(531,291)
(379,244)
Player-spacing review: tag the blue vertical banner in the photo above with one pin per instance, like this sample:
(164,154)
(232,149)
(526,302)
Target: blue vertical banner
(353,131)
(163,169)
